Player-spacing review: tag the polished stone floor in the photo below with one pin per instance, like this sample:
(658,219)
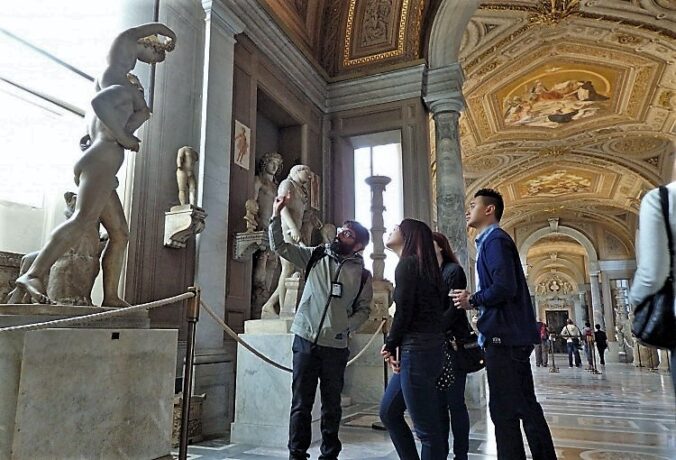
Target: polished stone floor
(624,413)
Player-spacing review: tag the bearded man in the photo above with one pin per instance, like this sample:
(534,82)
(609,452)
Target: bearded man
(336,301)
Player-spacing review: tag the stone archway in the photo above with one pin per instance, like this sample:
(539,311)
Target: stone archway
(592,254)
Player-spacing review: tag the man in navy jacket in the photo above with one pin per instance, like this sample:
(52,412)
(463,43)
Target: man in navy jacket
(507,331)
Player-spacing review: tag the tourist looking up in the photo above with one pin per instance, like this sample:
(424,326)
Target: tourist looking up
(456,328)
(336,301)
(507,331)
(413,347)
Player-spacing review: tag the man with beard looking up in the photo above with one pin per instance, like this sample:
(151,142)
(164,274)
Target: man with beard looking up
(336,301)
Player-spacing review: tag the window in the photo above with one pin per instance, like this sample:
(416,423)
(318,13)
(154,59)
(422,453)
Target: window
(379,154)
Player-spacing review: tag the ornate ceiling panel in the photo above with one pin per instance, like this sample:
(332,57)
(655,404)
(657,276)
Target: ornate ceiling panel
(570,110)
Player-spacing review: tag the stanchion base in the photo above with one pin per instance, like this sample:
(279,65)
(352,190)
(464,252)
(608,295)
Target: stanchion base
(553,370)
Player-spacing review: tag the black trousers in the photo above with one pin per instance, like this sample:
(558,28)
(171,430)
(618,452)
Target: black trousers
(512,401)
(312,363)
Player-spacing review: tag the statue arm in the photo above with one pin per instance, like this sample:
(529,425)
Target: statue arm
(151,28)
(109,107)
(297,255)
(179,159)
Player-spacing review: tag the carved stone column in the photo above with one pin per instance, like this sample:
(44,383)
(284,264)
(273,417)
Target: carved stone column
(214,371)
(382,288)
(597,308)
(445,101)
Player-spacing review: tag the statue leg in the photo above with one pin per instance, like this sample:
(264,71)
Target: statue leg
(112,218)
(277,297)
(93,193)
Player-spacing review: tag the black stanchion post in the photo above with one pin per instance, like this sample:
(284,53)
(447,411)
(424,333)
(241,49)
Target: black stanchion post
(192,316)
(553,368)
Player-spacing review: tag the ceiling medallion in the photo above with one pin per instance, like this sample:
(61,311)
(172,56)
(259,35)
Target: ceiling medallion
(555,152)
(551,12)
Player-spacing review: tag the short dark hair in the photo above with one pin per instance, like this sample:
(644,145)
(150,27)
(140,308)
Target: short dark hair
(361,234)
(493,197)
(598,326)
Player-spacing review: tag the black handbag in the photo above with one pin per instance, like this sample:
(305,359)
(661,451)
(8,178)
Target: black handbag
(469,356)
(654,322)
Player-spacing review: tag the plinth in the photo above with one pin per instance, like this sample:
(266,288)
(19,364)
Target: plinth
(103,390)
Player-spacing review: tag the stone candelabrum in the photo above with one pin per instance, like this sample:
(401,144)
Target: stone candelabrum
(382,288)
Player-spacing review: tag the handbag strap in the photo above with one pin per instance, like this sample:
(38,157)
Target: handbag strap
(664,199)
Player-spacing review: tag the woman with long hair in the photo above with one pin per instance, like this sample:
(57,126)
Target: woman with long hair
(456,327)
(414,344)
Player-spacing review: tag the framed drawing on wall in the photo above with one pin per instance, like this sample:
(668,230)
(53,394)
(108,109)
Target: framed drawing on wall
(315,192)
(242,142)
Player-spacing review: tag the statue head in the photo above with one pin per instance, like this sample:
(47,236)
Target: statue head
(151,50)
(251,206)
(271,163)
(300,173)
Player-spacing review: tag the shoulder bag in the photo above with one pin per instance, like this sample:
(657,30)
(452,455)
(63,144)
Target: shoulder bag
(654,323)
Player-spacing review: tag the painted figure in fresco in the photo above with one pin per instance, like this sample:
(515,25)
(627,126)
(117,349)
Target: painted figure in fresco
(242,145)
(185,175)
(294,188)
(119,109)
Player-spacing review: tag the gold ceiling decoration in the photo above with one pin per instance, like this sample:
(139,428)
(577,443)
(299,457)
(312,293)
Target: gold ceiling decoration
(551,12)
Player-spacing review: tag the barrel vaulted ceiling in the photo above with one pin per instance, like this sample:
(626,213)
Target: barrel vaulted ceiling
(569,103)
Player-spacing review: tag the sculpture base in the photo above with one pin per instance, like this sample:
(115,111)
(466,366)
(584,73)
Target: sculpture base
(263,392)
(86,393)
(181,223)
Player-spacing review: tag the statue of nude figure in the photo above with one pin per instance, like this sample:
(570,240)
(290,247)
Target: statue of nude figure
(185,175)
(295,188)
(118,110)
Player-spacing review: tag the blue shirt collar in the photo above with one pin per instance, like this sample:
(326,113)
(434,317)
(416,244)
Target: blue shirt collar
(484,234)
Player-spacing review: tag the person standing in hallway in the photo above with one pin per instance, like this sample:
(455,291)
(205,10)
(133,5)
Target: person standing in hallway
(654,252)
(507,331)
(457,328)
(413,347)
(542,348)
(572,334)
(336,301)
(588,337)
(601,340)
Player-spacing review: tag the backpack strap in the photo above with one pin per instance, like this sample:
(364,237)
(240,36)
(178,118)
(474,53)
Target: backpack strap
(664,200)
(317,254)
(364,277)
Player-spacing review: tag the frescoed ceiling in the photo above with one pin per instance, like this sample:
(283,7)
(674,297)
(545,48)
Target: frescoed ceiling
(570,110)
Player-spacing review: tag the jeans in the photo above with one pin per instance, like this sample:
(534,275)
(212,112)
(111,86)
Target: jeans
(453,401)
(512,402)
(542,353)
(413,388)
(602,352)
(572,349)
(312,363)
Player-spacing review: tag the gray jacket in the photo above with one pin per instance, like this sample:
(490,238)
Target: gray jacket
(345,314)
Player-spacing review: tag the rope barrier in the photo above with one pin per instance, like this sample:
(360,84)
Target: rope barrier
(97,316)
(260,355)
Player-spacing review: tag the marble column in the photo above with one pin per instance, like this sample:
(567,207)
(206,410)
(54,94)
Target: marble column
(608,310)
(597,308)
(583,306)
(443,96)
(214,368)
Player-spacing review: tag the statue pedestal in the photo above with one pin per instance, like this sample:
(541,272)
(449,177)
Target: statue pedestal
(263,395)
(181,223)
(89,392)
(293,289)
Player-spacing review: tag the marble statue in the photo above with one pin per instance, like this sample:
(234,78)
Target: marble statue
(251,207)
(185,175)
(71,278)
(265,261)
(295,188)
(118,110)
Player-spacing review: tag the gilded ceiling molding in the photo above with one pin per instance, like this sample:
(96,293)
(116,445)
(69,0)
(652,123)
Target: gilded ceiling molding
(349,36)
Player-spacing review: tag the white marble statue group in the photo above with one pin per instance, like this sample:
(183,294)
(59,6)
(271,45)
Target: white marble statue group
(117,110)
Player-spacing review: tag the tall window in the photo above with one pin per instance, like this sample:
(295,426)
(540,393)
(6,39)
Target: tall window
(379,154)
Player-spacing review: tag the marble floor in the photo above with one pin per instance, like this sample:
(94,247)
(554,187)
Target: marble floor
(624,413)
